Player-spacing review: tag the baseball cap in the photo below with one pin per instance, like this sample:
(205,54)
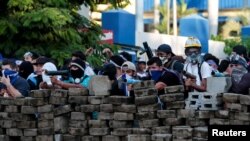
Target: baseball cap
(165,48)
(128,65)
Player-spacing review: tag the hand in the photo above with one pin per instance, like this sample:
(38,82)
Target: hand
(189,82)
(5,80)
(160,85)
(89,51)
(54,80)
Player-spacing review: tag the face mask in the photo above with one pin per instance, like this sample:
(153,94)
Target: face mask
(13,75)
(163,59)
(155,75)
(77,73)
(194,58)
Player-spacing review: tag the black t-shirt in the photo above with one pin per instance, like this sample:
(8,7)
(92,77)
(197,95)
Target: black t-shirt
(170,78)
(243,86)
(22,86)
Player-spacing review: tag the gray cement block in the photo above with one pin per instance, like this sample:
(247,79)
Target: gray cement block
(173,121)
(119,100)
(59,93)
(222,114)
(145,115)
(99,131)
(182,132)
(44,138)
(139,138)
(30,132)
(57,100)
(110,138)
(145,92)
(216,121)
(175,105)
(62,110)
(185,113)
(45,109)
(224,85)
(78,100)
(26,124)
(146,100)
(45,131)
(46,116)
(40,93)
(91,138)
(28,110)
(14,132)
(4,138)
(120,124)
(125,108)
(90,108)
(174,89)
(77,131)
(149,123)
(97,124)
(148,108)
(161,130)
(242,116)
(245,99)
(77,116)
(61,125)
(123,116)
(107,108)
(231,97)
(204,114)
(78,92)
(166,114)
(11,109)
(122,131)
(45,123)
(99,85)
(197,122)
(78,123)
(96,100)
(161,137)
(172,97)
(200,132)
(144,85)
(105,116)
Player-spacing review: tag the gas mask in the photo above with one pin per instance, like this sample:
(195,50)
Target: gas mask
(155,74)
(194,58)
(77,75)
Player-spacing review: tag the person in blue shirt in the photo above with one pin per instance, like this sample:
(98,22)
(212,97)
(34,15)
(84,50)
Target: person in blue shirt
(76,79)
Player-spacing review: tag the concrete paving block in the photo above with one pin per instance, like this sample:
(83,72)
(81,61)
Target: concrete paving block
(25,124)
(78,92)
(200,132)
(245,99)
(213,85)
(110,138)
(204,114)
(185,113)
(217,121)
(199,139)
(45,108)
(120,124)
(149,123)
(173,121)
(105,116)
(28,110)
(197,122)
(89,108)
(161,130)
(174,89)
(77,131)
(30,132)
(107,108)
(172,97)
(78,100)
(148,108)
(231,97)
(40,93)
(125,108)
(119,100)
(222,114)
(91,138)
(14,132)
(7,124)
(61,124)
(45,123)
(23,138)
(146,100)
(161,137)
(145,115)
(145,92)
(141,131)
(144,85)
(139,138)
(122,131)
(96,100)
(45,131)
(77,116)
(4,138)
(123,116)
(242,116)
(99,131)
(59,93)
(44,138)
(11,109)
(175,105)
(182,132)
(62,110)
(166,114)
(78,123)
(99,85)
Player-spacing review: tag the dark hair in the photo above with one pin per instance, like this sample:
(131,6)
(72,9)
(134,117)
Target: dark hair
(209,56)
(9,62)
(117,60)
(79,54)
(241,50)
(223,65)
(25,69)
(34,55)
(156,60)
(110,71)
(126,55)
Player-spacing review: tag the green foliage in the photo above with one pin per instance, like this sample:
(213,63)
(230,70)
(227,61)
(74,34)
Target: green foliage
(49,27)
(230,43)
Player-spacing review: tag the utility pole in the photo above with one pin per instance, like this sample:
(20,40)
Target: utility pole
(139,16)
(213,12)
(168,16)
(156,12)
(175,17)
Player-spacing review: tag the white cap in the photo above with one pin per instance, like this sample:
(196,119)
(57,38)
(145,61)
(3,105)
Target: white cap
(129,65)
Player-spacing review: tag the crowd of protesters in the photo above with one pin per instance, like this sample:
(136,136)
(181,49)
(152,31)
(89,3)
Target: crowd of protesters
(166,69)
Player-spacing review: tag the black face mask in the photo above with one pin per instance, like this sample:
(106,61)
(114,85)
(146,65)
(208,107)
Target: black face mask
(77,73)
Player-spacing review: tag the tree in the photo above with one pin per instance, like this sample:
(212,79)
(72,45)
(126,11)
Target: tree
(182,11)
(49,27)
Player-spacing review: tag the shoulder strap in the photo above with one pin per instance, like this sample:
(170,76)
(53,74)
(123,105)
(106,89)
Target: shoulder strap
(199,70)
(172,65)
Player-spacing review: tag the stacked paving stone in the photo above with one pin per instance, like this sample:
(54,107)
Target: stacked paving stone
(73,115)
(237,110)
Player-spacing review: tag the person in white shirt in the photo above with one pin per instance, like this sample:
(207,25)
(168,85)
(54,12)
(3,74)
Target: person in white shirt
(196,66)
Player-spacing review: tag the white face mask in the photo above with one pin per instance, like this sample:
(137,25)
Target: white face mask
(163,59)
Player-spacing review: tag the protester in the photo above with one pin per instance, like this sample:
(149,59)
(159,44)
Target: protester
(196,66)
(16,85)
(164,52)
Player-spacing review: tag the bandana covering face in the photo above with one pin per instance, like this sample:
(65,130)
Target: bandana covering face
(155,75)
(13,75)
